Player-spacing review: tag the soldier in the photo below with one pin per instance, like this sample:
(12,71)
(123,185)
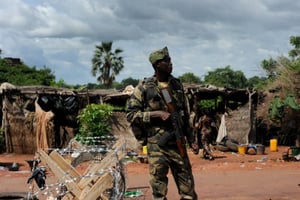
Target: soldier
(148,107)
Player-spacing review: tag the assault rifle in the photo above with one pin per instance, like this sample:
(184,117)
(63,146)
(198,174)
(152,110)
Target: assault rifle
(176,121)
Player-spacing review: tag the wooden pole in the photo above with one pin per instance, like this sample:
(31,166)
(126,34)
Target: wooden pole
(250,94)
(5,124)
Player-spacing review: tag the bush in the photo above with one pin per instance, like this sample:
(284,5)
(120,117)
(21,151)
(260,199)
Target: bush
(94,120)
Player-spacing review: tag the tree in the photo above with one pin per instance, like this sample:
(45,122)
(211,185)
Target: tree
(106,63)
(20,74)
(295,41)
(257,82)
(126,82)
(226,77)
(189,78)
(284,72)
(61,84)
(270,66)
(285,82)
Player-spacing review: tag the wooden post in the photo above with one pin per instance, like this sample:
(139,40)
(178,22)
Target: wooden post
(95,183)
(250,94)
(5,125)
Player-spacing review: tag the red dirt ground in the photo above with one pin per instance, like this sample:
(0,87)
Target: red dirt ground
(229,176)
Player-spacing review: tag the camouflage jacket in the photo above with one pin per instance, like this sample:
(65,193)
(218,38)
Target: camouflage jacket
(147,97)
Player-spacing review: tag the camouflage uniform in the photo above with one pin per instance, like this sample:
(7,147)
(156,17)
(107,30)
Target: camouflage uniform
(145,98)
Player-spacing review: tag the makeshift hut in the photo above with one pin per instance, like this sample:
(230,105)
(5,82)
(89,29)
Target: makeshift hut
(236,106)
(45,117)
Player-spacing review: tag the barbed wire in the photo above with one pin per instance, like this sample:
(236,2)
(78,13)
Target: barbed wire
(59,189)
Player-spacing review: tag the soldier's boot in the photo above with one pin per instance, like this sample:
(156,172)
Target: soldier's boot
(188,197)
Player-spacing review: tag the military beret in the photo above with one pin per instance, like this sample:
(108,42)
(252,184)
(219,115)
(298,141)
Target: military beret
(158,55)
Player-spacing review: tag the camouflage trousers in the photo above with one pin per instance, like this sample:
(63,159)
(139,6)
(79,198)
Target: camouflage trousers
(161,159)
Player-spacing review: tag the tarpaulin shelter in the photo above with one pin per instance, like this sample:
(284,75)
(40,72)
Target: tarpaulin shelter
(41,116)
(239,105)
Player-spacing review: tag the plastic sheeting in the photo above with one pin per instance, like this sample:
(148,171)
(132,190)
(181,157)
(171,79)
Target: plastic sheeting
(222,130)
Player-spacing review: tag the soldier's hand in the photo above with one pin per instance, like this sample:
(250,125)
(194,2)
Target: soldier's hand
(161,114)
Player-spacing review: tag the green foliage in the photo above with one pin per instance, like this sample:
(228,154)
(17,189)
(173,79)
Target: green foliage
(276,109)
(257,82)
(226,77)
(284,72)
(270,66)
(206,104)
(94,120)
(126,82)
(61,84)
(106,63)
(22,74)
(295,41)
(130,81)
(209,104)
(189,78)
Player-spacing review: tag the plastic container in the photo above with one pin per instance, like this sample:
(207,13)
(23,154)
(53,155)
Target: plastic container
(145,150)
(242,149)
(260,149)
(273,145)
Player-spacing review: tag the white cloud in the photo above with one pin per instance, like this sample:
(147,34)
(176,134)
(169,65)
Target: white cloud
(201,34)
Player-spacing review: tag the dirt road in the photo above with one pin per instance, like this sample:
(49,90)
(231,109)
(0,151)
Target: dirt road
(230,176)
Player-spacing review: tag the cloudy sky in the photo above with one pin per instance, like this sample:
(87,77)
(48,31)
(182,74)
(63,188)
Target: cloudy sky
(201,35)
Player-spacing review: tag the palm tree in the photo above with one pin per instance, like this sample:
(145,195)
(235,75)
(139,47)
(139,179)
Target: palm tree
(107,63)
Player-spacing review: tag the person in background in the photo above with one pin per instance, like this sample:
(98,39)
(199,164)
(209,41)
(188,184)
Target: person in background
(148,107)
(205,137)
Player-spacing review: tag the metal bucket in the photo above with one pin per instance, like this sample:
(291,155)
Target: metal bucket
(260,149)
